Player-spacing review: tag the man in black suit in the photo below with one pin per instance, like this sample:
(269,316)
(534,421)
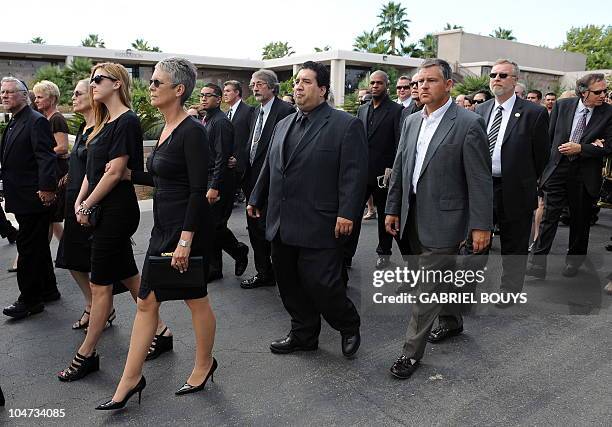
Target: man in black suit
(221,183)
(313,179)
(29,180)
(416,104)
(573,173)
(264,85)
(381,120)
(239,114)
(519,145)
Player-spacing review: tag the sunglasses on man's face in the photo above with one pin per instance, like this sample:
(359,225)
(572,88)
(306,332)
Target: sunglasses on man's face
(598,92)
(97,79)
(501,75)
(403,87)
(414,84)
(478,101)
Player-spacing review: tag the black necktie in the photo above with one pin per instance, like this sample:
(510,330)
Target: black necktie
(229,114)
(494,132)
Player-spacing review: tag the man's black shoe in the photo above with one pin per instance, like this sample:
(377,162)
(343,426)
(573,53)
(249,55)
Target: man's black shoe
(19,310)
(242,261)
(289,344)
(382,261)
(536,271)
(50,297)
(569,271)
(350,344)
(256,281)
(214,275)
(403,368)
(442,332)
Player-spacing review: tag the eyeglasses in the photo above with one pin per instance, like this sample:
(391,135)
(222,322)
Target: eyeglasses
(97,79)
(208,95)
(501,75)
(256,84)
(598,92)
(478,101)
(403,87)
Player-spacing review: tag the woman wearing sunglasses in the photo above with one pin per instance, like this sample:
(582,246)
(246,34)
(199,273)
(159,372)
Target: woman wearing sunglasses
(182,224)
(114,144)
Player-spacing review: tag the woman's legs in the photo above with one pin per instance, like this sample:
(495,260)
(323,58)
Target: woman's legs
(82,280)
(204,326)
(147,317)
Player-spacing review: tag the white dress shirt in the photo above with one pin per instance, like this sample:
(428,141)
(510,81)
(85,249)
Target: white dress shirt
(508,105)
(579,109)
(428,128)
(234,108)
(405,103)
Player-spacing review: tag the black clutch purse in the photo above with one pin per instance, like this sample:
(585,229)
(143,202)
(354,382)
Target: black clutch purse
(161,275)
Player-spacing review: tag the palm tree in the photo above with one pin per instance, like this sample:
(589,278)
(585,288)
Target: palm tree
(277,50)
(369,41)
(452,27)
(93,40)
(429,46)
(502,33)
(411,50)
(394,23)
(140,44)
(37,40)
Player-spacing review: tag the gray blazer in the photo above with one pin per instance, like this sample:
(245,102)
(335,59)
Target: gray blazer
(455,189)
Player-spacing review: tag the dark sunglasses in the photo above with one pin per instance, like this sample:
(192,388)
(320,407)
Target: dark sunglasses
(403,87)
(97,79)
(478,101)
(598,92)
(208,95)
(414,84)
(158,83)
(501,75)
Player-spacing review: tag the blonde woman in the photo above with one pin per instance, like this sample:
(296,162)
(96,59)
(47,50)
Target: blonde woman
(116,141)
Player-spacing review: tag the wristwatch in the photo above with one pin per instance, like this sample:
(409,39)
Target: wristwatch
(184,243)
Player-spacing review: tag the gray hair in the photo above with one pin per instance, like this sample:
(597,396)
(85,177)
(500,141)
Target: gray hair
(515,68)
(269,77)
(236,85)
(583,83)
(403,77)
(20,86)
(182,72)
(445,68)
(383,74)
(522,86)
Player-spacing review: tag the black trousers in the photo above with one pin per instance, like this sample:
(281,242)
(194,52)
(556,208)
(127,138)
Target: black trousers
(565,186)
(310,285)
(262,250)
(424,314)
(35,275)
(514,241)
(223,238)
(385,240)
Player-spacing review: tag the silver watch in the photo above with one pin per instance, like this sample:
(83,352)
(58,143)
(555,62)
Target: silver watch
(184,243)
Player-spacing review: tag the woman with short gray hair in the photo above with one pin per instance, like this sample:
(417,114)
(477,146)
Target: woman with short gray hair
(182,227)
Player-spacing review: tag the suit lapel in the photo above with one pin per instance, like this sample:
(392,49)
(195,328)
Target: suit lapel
(447,122)
(515,116)
(413,137)
(593,121)
(267,129)
(310,133)
(363,116)
(282,136)
(488,110)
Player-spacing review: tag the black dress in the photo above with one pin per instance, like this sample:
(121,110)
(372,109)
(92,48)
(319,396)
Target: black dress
(177,169)
(112,258)
(74,250)
(58,124)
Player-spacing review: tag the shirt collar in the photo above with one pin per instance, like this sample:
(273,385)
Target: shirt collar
(235,106)
(268,106)
(508,105)
(581,107)
(439,112)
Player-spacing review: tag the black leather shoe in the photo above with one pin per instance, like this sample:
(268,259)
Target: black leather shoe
(20,310)
(382,261)
(536,271)
(570,271)
(111,405)
(403,368)
(215,275)
(188,388)
(256,281)
(442,332)
(350,344)
(53,296)
(289,344)
(243,260)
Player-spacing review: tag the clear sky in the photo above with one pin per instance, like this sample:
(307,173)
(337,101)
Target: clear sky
(240,28)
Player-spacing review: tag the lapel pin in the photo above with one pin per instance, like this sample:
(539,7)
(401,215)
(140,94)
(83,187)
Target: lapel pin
(517,114)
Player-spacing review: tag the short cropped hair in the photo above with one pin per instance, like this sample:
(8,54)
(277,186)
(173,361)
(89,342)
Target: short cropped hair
(182,72)
(444,66)
(48,89)
(236,85)
(216,89)
(537,93)
(515,68)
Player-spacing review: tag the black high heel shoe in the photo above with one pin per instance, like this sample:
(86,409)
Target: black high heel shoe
(79,324)
(188,388)
(109,322)
(111,404)
(160,345)
(80,367)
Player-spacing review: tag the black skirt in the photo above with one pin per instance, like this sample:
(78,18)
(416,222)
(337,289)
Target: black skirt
(112,258)
(74,250)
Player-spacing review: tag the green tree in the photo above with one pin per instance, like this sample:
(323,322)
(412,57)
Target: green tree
(428,46)
(369,41)
(140,44)
(350,104)
(93,40)
(502,33)
(65,78)
(471,84)
(285,87)
(452,27)
(37,40)
(595,42)
(277,50)
(393,24)
(322,49)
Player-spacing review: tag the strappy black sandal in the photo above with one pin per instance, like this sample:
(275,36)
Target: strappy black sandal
(109,322)
(80,367)
(79,324)
(160,345)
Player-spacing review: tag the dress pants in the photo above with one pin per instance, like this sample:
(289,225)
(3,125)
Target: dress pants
(514,241)
(310,285)
(35,275)
(223,238)
(565,186)
(424,314)
(261,247)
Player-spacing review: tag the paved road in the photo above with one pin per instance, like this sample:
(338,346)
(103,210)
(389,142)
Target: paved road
(535,364)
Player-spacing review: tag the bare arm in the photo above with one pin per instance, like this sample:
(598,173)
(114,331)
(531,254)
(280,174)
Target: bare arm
(61,141)
(108,181)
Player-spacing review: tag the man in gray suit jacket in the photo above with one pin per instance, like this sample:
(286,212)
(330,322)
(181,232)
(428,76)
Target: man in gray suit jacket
(440,192)
(313,180)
